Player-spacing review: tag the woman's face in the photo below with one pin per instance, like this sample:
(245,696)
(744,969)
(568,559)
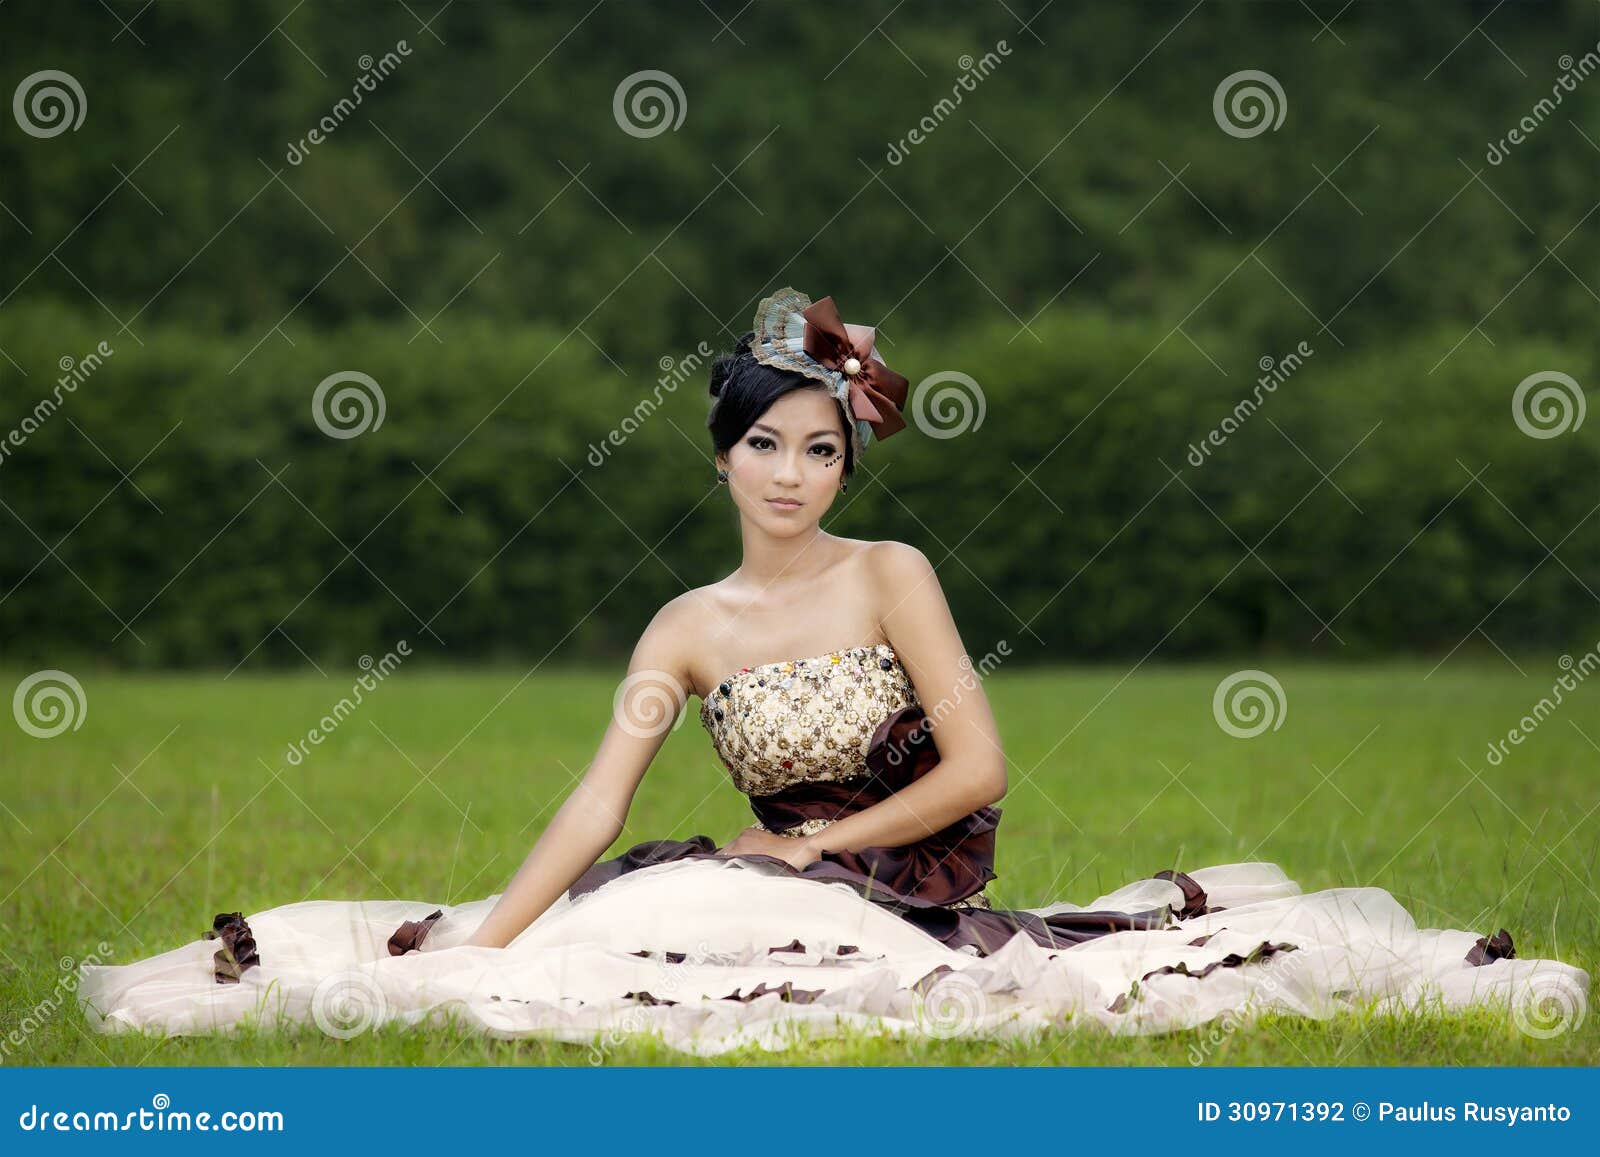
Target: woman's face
(786,469)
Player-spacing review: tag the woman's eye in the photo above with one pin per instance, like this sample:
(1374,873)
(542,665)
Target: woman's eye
(759,443)
(824,450)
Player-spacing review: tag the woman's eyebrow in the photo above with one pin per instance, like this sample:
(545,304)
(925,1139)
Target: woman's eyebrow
(813,434)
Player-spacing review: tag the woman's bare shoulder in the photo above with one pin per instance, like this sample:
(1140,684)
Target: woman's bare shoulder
(872,552)
(888,559)
(666,641)
(678,632)
(904,589)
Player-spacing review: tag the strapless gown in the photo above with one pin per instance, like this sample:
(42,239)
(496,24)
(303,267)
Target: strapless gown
(711,952)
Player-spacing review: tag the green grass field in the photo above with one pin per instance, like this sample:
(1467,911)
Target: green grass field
(162,810)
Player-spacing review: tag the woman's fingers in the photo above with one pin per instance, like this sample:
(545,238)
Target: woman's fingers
(732,845)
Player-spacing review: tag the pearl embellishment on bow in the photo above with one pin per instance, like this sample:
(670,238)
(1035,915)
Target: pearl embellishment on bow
(852,367)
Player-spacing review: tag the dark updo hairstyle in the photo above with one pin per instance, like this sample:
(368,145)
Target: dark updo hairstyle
(744,388)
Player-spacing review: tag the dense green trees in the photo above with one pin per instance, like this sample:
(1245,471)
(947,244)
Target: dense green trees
(480,236)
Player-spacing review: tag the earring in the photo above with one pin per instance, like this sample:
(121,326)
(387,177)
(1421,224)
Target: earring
(722,476)
(844,485)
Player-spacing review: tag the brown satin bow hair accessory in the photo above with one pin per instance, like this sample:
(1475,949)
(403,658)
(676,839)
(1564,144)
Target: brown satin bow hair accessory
(810,338)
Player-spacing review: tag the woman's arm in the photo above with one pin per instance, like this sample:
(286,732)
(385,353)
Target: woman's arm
(594,814)
(971,772)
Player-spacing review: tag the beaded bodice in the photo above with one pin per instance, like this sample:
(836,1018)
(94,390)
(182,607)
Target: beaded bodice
(796,721)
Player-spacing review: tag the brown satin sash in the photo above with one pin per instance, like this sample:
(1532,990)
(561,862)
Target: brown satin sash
(949,865)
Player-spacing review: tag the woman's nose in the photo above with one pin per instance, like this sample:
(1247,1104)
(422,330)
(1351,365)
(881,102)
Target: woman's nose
(788,469)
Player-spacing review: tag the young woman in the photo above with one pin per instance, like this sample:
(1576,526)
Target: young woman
(794,727)
(838,694)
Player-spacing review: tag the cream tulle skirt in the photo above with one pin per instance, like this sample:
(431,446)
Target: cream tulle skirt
(711,955)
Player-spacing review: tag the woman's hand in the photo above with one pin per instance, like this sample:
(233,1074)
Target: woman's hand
(753,841)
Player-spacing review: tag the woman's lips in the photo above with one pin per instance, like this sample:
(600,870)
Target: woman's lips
(784,503)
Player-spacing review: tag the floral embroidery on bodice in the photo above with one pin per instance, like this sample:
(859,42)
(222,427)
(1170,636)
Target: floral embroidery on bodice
(808,720)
